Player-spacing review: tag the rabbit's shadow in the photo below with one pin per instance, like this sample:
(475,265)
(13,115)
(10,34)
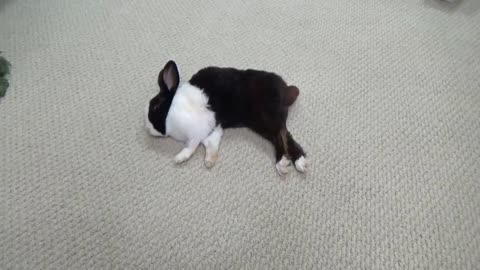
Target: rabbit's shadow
(168,147)
(467,7)
(244,136)
(4,3)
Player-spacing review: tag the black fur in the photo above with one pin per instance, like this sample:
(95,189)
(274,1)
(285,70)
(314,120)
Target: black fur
(254,99)
(168,81)
(249,98)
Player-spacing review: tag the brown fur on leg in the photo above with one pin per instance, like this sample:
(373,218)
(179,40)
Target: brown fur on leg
(282,137)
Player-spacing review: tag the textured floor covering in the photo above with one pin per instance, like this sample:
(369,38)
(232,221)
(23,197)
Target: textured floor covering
(389,113)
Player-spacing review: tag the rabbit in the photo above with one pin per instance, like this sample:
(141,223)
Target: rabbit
(216,98)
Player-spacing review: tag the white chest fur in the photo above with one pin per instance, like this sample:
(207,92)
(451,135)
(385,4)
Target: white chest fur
(189,117)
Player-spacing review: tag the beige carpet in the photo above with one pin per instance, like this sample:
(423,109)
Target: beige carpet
(389,113)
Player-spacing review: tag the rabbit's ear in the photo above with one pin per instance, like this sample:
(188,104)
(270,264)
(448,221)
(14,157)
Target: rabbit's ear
(168,79)
(291,94)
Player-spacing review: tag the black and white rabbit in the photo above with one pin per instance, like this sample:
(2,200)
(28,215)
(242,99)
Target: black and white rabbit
(197,111)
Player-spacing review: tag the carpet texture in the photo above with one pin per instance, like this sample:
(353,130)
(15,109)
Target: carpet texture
(389,113)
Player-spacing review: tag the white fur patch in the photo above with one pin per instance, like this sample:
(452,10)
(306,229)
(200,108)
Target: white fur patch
(189,117)
(187,152)
(301,164)
(282,166)
(184,155)
(149,125)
